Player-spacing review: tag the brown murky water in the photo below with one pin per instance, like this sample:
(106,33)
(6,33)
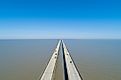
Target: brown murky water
(97,59)
(26,59)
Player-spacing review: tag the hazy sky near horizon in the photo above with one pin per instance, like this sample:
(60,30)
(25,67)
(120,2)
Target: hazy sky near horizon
(87,19)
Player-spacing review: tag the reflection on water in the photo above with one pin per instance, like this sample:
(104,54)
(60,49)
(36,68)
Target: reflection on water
(26,59)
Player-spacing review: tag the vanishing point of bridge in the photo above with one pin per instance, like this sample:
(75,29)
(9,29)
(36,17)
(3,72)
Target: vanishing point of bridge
(70,70)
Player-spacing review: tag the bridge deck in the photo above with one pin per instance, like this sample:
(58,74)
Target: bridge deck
(49,71)
(72,72)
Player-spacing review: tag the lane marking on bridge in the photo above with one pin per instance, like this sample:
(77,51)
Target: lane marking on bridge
(72,71)
(50,68)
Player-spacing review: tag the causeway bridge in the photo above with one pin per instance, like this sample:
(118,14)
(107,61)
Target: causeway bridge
(70,69)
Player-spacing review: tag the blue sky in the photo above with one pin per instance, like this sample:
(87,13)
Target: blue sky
(80,19)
